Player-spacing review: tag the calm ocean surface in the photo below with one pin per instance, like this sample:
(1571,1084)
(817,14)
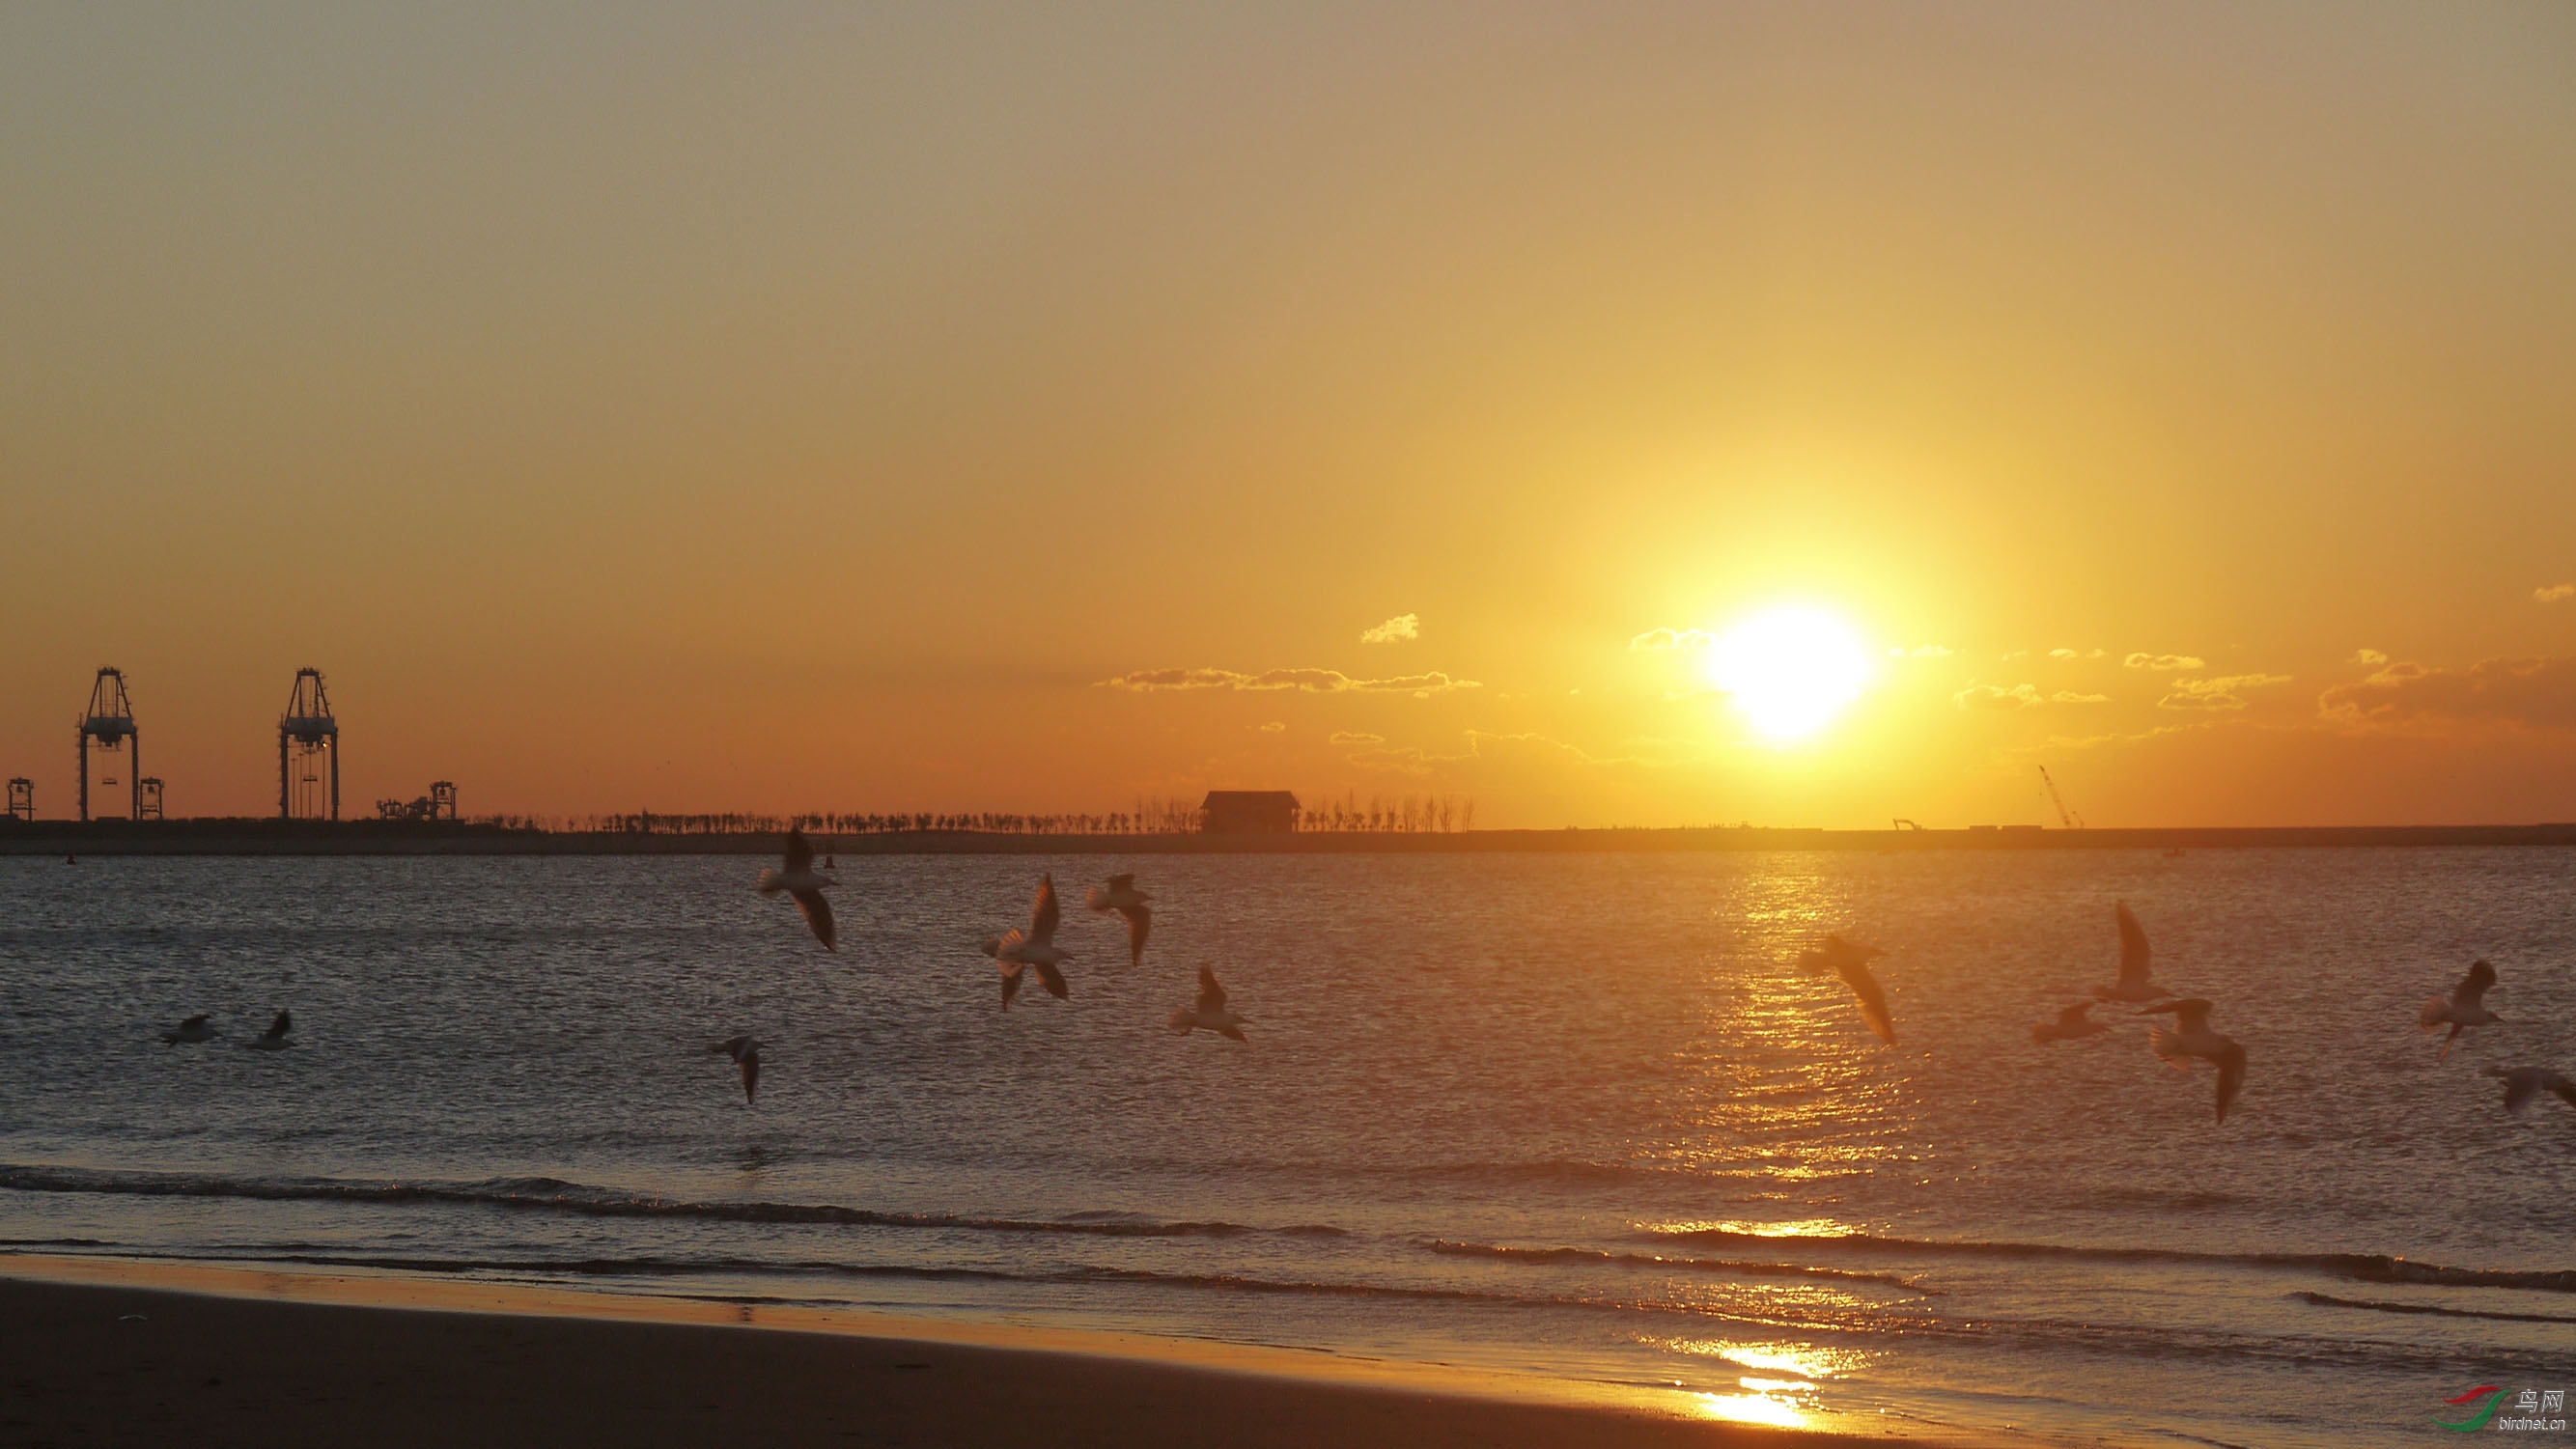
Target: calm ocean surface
(1565,1115)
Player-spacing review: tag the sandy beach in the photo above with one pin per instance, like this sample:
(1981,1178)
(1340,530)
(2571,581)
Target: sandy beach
(106,1352)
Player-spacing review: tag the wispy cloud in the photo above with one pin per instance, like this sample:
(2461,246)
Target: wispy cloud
(1275,727)
(2068,696)
(1654,639)
(2369,656)
(1357,737)
(1394,631)
(1414,760)
(2552,593)
(2538,692)
(1996,696)
(2059,744)
(2164,663)
(1307,681)
(2073,654)
(2224,691)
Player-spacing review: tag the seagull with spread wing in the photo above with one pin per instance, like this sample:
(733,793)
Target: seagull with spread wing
(746,1055)
(804,885)
(1034,948)
(2190,1036)
(275,1038)
(2132,984)
(2070,1024)
(193,1029)
(1209,1012)
(2521,1084)
(2465,1007)
(1850,962)
(1123,897)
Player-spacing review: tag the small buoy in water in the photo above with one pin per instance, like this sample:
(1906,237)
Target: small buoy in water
(70,859)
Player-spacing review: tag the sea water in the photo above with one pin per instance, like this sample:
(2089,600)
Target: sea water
(1568,1115)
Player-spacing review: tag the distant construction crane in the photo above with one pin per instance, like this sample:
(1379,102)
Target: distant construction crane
(22,798)
(2065,817)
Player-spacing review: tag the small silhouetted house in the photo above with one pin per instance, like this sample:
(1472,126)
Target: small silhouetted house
(1248,812)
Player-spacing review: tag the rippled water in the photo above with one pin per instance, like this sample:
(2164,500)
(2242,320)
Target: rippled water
(1570,1115)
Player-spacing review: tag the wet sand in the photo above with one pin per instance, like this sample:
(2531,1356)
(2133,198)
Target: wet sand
(103,1352)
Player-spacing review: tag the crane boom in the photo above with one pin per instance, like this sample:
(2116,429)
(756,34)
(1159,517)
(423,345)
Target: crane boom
(2065,817)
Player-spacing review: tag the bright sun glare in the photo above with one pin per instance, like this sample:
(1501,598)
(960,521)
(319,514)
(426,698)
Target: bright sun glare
(1791,669)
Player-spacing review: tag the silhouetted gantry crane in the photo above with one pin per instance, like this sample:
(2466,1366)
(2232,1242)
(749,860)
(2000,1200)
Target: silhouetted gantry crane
(306,733)
(110,722)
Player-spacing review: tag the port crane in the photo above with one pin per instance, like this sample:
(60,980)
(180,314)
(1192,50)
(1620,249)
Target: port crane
(2065,817)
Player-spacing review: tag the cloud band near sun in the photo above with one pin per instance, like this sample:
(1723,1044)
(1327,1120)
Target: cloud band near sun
(1305,681)
(2019,696)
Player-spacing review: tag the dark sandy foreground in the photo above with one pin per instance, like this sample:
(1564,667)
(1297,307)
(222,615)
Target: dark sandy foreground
(198,1368)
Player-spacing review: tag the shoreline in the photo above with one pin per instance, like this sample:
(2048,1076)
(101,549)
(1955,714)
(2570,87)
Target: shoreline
(228,837)
(110,1349)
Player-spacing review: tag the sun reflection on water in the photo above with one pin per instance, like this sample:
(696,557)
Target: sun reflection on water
(1808,1361)
(1752,1409)
(1802,1228)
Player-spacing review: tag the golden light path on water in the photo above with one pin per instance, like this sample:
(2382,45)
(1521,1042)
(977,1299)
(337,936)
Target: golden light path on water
(1768,1400)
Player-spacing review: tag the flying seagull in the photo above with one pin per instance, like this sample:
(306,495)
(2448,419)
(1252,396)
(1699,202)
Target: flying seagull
(746,1055)
(274,1039)
(1034,947)
(2521,1084)
(804,885)
(2464,1008)
(2070,1024)
(1123,897)
(2133,984)
(1851,963)
(2191,1037)
(193,1029)
(1209,1012)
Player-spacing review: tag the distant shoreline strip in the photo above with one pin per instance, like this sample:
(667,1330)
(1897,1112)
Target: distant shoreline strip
(271,837)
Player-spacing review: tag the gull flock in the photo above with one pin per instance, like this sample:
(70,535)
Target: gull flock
(2191,1038)
(1022,951)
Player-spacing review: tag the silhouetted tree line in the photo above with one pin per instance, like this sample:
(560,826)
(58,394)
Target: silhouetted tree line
(1403,813)
(1154,816)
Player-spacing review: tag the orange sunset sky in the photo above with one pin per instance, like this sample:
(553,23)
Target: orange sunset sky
(999,408)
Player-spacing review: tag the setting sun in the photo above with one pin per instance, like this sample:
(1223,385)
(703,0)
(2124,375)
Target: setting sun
(1791,670)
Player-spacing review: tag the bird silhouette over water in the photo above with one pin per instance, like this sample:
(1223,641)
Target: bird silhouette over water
(804,885)
(746,1055)
(1851,962)
(2521,1084)
(2191,1037)
(1209,1012)
(275,1038)
(2465,1007)
(193,1029)
(2133,984)
(2070,1024)
(1034,948)
(1123,897)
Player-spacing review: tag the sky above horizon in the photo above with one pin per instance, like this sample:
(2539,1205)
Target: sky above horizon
(999,408)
